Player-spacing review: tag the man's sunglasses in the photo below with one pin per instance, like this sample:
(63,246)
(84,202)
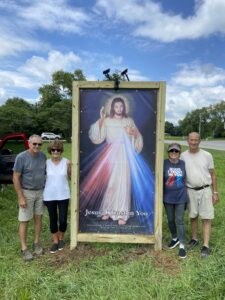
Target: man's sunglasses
(37,144)
(174,150)
(55,150)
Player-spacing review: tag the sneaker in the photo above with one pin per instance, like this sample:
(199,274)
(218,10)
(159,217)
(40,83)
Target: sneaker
(38,250)
(54,248)
(193,243)
(61,244)
(173,244)
(205,251)
(182,253)
(27,256)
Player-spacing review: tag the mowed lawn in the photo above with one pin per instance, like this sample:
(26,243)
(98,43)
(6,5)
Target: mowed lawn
(110,271)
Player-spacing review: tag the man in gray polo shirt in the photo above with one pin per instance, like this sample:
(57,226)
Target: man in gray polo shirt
(29,180)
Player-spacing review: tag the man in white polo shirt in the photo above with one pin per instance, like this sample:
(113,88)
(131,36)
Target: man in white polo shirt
(202,191)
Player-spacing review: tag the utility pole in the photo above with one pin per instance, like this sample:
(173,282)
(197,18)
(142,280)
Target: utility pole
(199,124)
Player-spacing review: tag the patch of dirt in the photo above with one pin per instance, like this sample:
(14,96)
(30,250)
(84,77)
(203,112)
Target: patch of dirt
(81,253)
(137,252)
(167,262)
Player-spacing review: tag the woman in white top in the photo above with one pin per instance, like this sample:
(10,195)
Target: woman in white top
(57,193)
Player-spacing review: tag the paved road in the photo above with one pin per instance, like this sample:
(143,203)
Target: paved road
(216,145)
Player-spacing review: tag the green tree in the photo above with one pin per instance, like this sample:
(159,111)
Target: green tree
(169,128)
(209,121)
(217,117)
(64,80)
(59,89)
(50,94)
(16,115)
(55,107)
(57,119)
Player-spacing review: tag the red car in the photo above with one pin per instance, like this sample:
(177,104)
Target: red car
(10,146)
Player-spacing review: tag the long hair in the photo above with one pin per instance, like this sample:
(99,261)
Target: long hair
(112,111)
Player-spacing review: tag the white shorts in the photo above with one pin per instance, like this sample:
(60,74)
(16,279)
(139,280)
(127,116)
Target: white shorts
(200,203)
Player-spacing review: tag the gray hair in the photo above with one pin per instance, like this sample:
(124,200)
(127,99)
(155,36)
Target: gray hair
(194,133)
(34,136)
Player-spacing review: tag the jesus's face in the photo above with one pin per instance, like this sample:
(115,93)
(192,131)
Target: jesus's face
(118,108)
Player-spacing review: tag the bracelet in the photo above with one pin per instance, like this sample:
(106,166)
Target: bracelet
(216,193)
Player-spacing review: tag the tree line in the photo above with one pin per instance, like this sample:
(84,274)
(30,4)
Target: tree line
(53,112)
(208,121)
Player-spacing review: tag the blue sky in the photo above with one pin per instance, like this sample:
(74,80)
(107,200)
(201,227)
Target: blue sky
(180,42)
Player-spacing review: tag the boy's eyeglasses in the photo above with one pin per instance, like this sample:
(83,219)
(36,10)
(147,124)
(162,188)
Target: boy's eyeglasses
(37,144)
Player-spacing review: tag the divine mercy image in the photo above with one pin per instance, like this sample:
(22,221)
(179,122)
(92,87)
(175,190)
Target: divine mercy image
(116,174)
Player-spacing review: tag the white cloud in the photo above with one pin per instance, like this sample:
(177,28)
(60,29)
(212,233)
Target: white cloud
(36,71)
(149,20)
(117,60)
(91,77)
(99,62)
(55,15)
(135,75)
(199,75)
(16,80)
(28,17)
(14,39)
(2,95)
(194,86)
(42,68)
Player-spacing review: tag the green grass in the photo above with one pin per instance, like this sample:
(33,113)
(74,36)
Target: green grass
(110,271)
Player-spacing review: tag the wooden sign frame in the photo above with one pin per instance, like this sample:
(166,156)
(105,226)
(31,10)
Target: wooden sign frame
(76,236)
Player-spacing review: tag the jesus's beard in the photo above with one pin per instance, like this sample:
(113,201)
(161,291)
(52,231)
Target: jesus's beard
(118,114)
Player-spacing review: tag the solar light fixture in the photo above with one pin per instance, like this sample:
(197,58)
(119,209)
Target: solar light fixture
(124,74)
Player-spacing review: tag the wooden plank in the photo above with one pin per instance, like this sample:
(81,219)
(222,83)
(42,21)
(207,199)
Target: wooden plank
(159,165)
(75,166)
(122,85)
(115,238)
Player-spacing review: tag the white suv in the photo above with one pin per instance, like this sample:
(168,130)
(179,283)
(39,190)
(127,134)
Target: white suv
(50,136)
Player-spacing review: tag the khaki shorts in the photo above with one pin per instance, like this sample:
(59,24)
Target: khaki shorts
(200,203)
(35,205)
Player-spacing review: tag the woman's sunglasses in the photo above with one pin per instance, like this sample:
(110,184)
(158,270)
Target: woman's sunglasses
(174,150)
(55,150)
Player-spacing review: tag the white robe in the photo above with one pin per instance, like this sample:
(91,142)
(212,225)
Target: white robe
(117,199)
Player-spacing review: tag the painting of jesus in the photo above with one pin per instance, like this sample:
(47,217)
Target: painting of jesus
(116,182)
